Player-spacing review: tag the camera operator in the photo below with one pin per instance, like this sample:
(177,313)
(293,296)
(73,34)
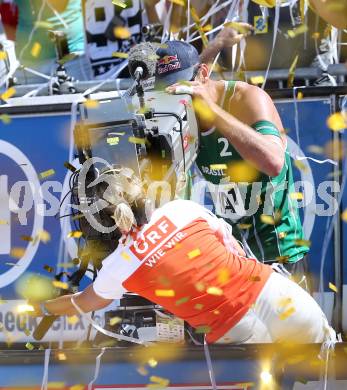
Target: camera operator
(242,131)
(186,260)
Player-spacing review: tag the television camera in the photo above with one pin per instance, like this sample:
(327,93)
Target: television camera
(153,134)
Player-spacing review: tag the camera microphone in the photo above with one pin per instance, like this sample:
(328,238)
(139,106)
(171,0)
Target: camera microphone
(142,61)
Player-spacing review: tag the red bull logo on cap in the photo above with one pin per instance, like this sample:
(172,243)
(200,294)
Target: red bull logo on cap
(168,64)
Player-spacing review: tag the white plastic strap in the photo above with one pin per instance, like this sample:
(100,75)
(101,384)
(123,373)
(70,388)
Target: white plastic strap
(274,39)
(45,370)
(104,331)
(209,365)
(97,368)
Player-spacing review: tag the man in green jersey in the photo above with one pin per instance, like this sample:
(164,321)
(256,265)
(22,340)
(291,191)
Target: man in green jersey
(244,154)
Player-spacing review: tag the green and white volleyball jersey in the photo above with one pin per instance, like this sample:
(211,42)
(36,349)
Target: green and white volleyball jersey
(262,209)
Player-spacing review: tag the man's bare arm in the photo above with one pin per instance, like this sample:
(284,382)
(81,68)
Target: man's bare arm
(87,300)
(332,11)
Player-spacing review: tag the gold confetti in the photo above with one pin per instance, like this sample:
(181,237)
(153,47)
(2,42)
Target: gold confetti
(3,222)
(203,329)
(297,31)
(242,172)
(36,49)
(44,236)
(75,234)
(165,293)
(6,119)
(244,226)
(333,287)
(301,165)
(73,320)
(337,121)
(267,219)
(56,385)
(297,196)
(291,73)
(115,320)
(66,265)
(265,3)
(69,166)
(223,276)
(62,285)
(182,301)
(136,140)
(8,94)
(200,286)
(77,387)
(344,216)
(199,306)
(43,24)
(203,110)
(119,3)
(91,104)
(214,291)
(255,278)
(48,269)
(152,363)
(25,308)
(119,54)
(315,149)
(303,243)
(286,314)
(256,80)
(61,356)
(113,141)
(282,235)
(300,96)
(178,2)
(218,167)
(17,252)
(282,259)
(3,55)
(284,302)
(142,371)
(193,254)
(29,346)
(26,238)
(46,174)
(122,32)
(125,256)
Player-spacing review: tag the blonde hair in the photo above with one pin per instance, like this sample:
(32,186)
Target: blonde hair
(124,190)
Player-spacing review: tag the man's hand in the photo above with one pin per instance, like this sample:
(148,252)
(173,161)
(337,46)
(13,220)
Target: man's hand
(229,36)
(226,38)
(197,89)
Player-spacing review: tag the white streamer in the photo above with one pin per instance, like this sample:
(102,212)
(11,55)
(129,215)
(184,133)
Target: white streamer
(274,39)
(97,368)
(45,370)
(104,331)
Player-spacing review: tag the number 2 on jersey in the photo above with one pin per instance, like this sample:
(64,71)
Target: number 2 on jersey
(224,152)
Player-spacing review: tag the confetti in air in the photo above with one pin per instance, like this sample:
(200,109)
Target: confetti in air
(36,49)
(8,94)
(75,234)
(193,254)
(165,293)
(214,291)
(119,54)
(333,287)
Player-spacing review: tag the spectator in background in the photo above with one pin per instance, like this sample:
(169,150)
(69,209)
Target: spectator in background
(9,17)
(111,29)
(33,46)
